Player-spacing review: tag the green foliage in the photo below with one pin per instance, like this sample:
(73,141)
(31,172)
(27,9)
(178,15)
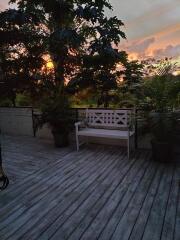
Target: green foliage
(162,92)
(132,74)
(81,100)
(5,102)
(161,96)
(125,99)
(20,52)
(56,111)
(23,100)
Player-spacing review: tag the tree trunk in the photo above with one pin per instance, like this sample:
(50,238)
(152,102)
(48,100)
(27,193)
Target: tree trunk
(106,99)
(13,98)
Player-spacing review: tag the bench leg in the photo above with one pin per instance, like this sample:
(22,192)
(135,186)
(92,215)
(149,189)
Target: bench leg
(87,140)
(77,142)
(128,147)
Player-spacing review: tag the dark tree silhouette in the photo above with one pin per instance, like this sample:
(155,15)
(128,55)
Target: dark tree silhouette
(66,30)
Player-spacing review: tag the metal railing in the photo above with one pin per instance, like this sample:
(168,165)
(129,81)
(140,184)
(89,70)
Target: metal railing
(141,140)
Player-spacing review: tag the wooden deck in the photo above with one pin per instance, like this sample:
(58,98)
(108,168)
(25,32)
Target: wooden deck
(96,193)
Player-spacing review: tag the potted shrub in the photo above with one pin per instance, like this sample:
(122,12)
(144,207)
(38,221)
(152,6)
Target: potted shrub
(56,113)
(161,92)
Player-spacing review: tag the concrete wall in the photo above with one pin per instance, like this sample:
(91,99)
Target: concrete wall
(16,121)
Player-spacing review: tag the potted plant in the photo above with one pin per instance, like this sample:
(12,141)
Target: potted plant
(56,113)
(161,92)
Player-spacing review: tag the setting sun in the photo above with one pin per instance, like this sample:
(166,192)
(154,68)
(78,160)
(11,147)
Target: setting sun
(50,65)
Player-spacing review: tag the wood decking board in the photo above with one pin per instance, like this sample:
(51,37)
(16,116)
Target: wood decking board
(28,184)
(93,203)
(177,223)
(140,223)
(89,225)
(124,217)
(32,194)
(70,204)
(96,193)
(41,203)
(170,215)
(155,222)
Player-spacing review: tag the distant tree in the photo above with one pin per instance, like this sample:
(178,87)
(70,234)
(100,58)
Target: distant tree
(132,79)
(100,65)
(100,73)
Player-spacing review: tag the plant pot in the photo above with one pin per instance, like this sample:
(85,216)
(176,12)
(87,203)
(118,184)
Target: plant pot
(162,151)
(60,139)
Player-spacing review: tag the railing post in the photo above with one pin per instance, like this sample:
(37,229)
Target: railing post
(77,114)
(136,129)
(34,128)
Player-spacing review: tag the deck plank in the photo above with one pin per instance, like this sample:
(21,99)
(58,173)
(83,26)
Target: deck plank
(128,219)
(73,201)
(177,222)
(105,206)
(52,201)
(170,217)
(93,204)
(139,226)
(24,209)
(56,177)
(155,221)
(96,193)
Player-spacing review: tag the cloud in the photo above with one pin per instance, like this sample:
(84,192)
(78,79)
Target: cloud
(150,14)
(169,51)
(139,48)
(1,6)
(4,5)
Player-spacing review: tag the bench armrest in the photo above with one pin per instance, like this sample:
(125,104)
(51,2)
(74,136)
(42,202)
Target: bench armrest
(77,125)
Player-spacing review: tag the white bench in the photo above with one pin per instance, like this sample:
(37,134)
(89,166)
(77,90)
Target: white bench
(114,124)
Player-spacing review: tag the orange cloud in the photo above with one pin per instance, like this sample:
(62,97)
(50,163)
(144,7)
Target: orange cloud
(168,30)
(169,51)
(138,49)
(163,43)
(167,36)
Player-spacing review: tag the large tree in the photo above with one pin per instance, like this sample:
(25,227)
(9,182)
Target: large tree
(67,31)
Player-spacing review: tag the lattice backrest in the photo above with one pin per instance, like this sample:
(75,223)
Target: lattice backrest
(108,118)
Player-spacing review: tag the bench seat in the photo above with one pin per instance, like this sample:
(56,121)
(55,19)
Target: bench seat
(104,133)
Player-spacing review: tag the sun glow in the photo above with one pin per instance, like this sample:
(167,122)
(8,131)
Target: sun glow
(176,73)
(50,65)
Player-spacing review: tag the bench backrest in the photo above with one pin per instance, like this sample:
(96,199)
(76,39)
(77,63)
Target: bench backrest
(108,118)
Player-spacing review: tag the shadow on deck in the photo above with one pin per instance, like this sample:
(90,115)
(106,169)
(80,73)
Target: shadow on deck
(96,193)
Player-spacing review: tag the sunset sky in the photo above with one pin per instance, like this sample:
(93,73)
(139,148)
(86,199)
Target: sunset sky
(152,26)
